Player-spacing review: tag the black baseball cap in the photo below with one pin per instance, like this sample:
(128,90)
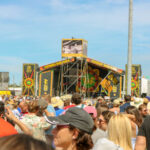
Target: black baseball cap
(76,117)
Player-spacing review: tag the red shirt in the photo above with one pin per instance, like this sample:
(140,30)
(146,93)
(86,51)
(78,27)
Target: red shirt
(6,128)
(67,107)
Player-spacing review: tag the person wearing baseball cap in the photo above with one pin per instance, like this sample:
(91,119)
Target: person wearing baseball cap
(73,129)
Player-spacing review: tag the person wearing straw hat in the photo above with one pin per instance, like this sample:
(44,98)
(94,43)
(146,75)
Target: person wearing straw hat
(116,104)
(58,104)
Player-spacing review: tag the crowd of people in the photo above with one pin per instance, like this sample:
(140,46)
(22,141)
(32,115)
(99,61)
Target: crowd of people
(71,122)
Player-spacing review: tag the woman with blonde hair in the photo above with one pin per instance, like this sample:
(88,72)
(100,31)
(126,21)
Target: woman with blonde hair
(119,131)
(119,135)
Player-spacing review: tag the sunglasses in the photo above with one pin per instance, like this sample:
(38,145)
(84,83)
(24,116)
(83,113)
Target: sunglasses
(100,120)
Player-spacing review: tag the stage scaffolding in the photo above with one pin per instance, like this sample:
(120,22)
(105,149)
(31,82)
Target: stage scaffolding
(70,74)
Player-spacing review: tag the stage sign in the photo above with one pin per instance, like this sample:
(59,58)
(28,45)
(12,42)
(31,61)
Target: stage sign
(52,65)
(46,83)
(28,82)
(135,81)
(74,48)
(5,92)
(110,85)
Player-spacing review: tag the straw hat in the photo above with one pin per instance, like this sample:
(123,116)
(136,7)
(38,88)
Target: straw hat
(145,100)
(88,102)
(65,97)
(56,102)
(137,102)
(117,101)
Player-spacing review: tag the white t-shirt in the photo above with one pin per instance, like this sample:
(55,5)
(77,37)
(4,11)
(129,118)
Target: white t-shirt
(105,144)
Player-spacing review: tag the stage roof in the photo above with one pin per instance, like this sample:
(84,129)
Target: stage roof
(89,60)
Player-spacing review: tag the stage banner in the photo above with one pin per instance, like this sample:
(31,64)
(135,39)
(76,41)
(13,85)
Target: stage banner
(110,85)
(74,48)
(135,81)
(46,83)
(28,80)
(89,82)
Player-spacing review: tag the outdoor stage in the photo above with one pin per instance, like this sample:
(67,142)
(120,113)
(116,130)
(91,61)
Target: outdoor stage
(84,75)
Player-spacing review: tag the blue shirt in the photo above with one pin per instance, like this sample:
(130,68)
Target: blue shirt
(51,109)
(124,106)
(59,111)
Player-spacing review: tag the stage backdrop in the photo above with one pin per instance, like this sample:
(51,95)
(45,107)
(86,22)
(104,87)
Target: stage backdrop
(136,80)
(28,79)
(46,83)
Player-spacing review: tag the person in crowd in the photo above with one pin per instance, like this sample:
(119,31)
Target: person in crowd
(143,110)
(58,104)
(101,108)
(119,135)
(100,100)
(116,104)
(143,138)
(134,111)
(35,123)
(148,108)
(22,142)
(135,122)
(104,119)
(6,128)
(77,100)
(50,111)
(47,109)
(145,101)
(92,111)
(15,110)
(42,104)
(99,133)
(23,107)
(73,129)
(67,104)
(126,104)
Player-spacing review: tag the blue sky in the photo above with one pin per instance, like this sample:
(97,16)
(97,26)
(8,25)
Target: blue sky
(31,31)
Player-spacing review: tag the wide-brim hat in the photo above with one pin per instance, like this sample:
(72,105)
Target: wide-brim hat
(117,101)
(65,97)
(137,102)
(56,102)
(75,117)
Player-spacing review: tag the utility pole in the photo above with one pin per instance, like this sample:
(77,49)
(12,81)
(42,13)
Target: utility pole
(129,65)
(13,82)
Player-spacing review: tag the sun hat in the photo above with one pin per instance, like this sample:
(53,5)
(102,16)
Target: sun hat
(88,102)
(145,100)
(76,117)
(117,101)
(100,98)
(56,102)
(137,102)
(65,97)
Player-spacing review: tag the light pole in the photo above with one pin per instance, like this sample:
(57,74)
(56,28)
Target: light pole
(129,65)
